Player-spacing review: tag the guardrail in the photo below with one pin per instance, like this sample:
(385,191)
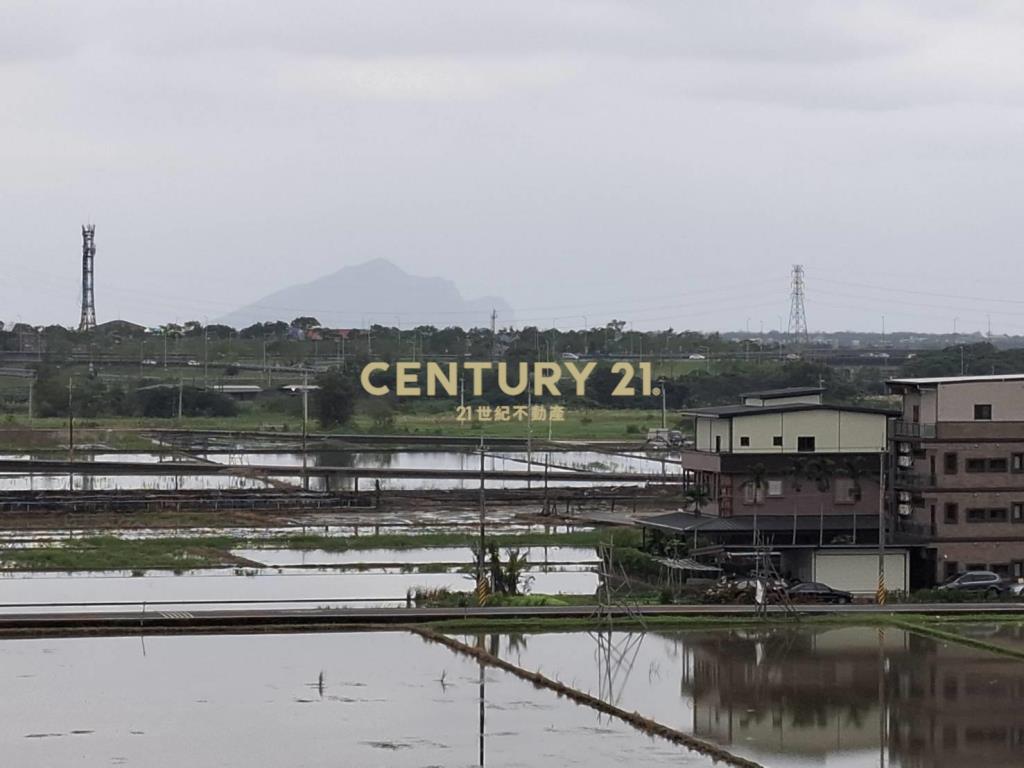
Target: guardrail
(913,430)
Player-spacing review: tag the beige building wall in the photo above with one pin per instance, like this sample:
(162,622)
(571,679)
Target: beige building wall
(707,429)
(834,431)
(956,401)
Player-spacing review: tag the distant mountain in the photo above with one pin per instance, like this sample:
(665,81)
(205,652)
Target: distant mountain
(375,292)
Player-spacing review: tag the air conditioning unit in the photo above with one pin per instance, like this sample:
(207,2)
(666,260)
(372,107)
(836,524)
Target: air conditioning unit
(905,497)
(905,461)
(904,510)
(904,447)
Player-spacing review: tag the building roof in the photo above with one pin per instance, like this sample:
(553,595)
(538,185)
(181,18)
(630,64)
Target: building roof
(730,411)
(784,392)
(686,522)
(935,380)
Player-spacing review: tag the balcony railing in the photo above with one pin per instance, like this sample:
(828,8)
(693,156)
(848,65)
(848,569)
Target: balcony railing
(914,481)
(912,430)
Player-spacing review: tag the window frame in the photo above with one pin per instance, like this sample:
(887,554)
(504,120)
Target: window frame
(983,411)
(801,440)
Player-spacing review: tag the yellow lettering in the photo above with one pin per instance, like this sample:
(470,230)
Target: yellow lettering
(546,376)
(581,376)
(520,387)
(435,376)
(368,386)
(478,376)
(405,379)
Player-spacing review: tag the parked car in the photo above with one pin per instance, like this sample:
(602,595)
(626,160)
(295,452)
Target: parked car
(664,438)
(570,356)
(816,592)
(1017,589)
(149,361)
(696,356)
(989,582)
(193,363)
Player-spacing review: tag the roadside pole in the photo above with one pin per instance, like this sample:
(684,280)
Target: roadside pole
(71,435)
(305,419)
(880,592)
(481,582)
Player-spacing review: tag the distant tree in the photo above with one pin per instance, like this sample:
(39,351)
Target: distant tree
(335,400)
(305,323)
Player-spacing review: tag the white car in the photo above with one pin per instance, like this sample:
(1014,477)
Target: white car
(695,356)
(193,363)
(570,356)
(149,361)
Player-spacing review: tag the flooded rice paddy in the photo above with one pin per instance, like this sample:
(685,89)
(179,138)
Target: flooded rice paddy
(789,697)
(558,462)
(293,578)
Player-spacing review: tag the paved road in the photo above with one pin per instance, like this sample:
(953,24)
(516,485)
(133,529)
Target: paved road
(203,616)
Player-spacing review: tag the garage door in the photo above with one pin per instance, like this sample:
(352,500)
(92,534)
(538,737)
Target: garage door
(857,572)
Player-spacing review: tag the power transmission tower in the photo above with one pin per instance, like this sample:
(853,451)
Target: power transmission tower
(797,311)
(88,321)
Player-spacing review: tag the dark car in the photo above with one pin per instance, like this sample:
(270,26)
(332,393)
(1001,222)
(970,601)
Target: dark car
(989,582)
(815,592)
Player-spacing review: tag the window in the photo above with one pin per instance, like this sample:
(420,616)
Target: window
(718,443)
(949,463)
(952,514)
(950,569)
(777,442)
(1017,462)
(975,567)
(916,417)
(774,487)
(975,465)
(805,444)
(997,465)
(978,515)
(1003,569)
(1018,569)
(751,493)
(983,412)
(744,441)
(1017,512)
(846,490)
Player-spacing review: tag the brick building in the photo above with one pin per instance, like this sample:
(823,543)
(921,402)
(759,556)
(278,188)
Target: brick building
(959,474)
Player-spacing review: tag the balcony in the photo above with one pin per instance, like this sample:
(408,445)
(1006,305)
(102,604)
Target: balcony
(911,430)
(913,481)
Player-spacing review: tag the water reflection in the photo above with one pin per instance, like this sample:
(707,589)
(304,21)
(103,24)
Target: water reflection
(852,696)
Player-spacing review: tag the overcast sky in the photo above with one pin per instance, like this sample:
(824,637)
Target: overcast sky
(660,162)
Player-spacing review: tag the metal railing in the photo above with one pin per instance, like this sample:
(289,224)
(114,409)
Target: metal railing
(912,429)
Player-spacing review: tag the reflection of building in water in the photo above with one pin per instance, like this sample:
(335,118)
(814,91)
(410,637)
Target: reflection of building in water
(791,692)
(951,704)
(818,693)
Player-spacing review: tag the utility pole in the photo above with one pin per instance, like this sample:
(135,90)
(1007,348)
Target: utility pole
(165,349)
(494,329)
(305,420)
(797,310)
(181,396)
(664,415)
(206,356)
(529,428)
(71,435)
(880,593)
(31,387)
(481,584)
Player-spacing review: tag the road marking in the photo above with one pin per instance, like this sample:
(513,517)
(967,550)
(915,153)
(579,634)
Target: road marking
(176,614)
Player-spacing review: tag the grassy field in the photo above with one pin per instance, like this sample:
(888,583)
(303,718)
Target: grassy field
(105,553)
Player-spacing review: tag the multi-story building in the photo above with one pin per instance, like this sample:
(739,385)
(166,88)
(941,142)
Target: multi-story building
(959,476)
(786,469)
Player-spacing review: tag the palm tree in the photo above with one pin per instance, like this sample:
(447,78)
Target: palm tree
(757,481)
(696,499)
